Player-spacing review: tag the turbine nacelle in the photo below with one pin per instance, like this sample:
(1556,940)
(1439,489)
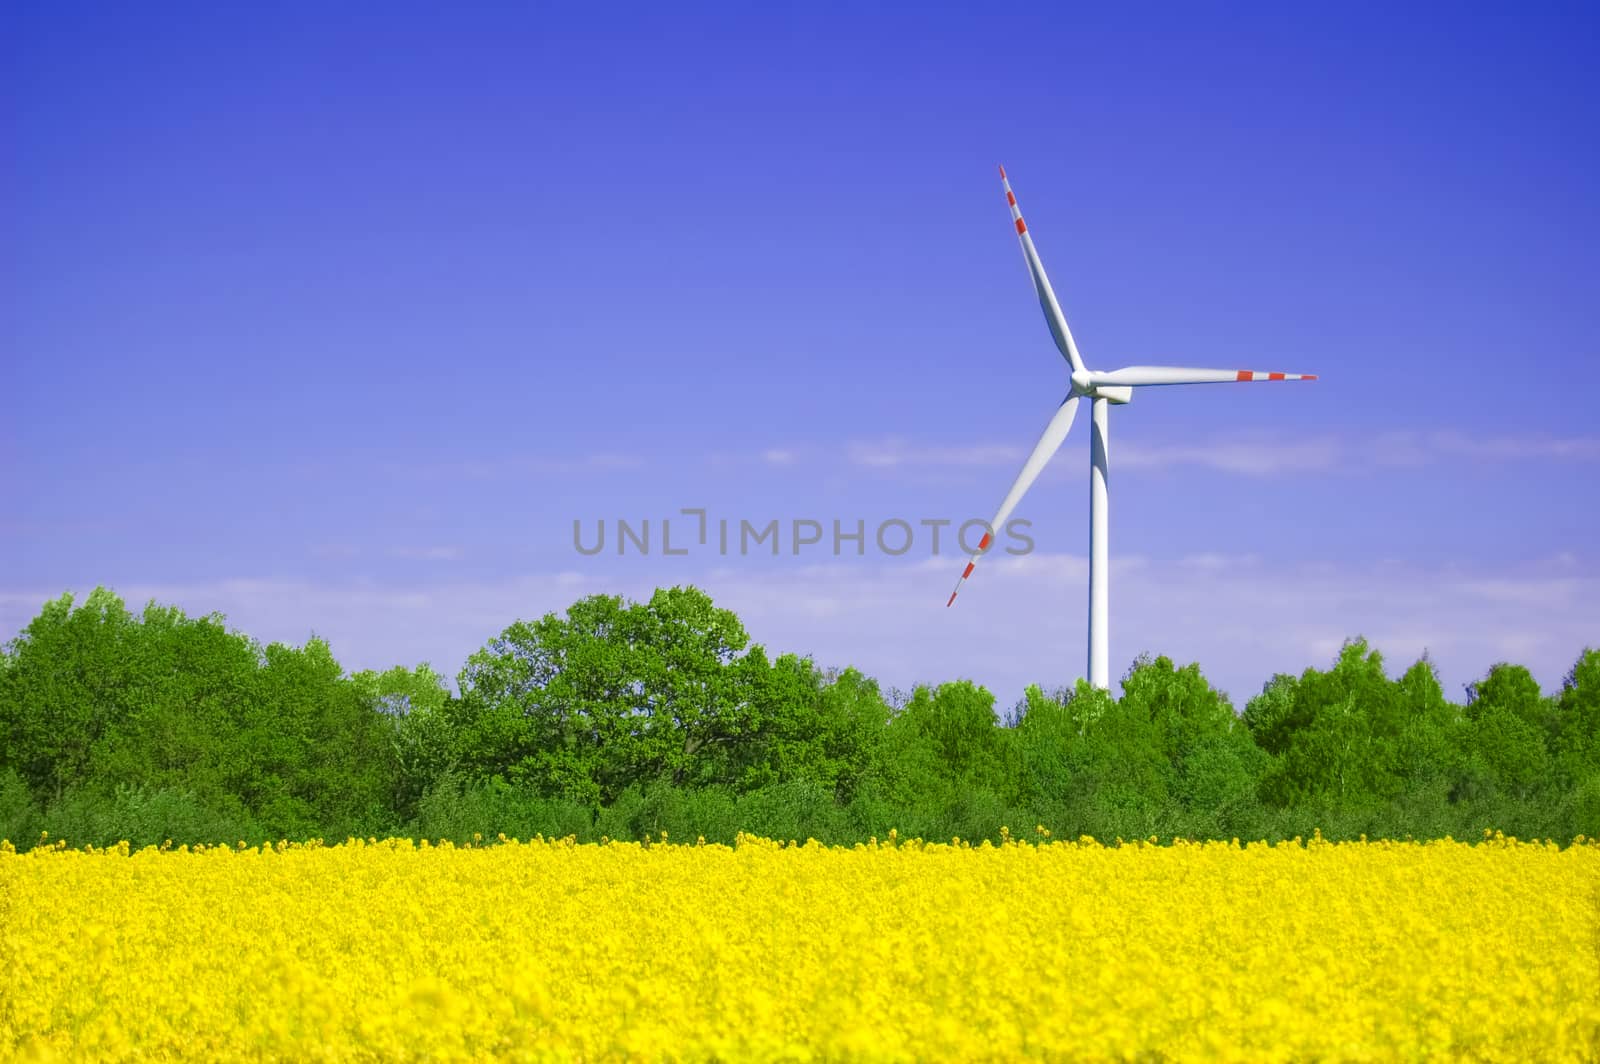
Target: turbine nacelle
(1086,383)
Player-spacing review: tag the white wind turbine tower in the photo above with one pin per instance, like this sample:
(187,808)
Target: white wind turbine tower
(1105,389)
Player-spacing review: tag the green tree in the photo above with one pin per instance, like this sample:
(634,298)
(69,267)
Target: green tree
(417,705)
(1508,724)
(1577,718)
(1050,741)
(187,693)
(1332,735)
(1424,754)
(957,726)
(808,725)
(1210,759)
(97,699)
(313,754)
(1066,759)
(66,683)
(612,694)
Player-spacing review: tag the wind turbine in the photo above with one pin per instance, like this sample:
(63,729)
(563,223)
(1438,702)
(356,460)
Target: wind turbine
(1106,389)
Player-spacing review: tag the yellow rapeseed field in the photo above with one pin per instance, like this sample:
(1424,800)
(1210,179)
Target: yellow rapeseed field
(549,950)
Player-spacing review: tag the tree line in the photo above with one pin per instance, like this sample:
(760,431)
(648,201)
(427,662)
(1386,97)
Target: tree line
(629,719)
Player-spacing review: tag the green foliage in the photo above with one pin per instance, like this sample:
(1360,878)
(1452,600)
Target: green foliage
(946,741)
(418,706)
(628,720)
(1577,721)
(797,810)
(146,817)
(20,817)
(613,693)
(116,719)
(460,811)
(69,678)
(812,726)
(1349,736)
(1585,815)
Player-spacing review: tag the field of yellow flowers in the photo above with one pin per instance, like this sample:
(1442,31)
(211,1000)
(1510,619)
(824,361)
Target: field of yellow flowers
(891,951)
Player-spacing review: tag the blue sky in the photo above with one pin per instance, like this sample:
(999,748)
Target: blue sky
(336,320)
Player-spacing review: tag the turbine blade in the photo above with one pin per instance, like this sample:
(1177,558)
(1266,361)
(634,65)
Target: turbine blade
(1054,433)
(1142,376)
(1041,284)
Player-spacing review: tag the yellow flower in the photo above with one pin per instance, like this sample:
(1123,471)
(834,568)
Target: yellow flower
(551,950)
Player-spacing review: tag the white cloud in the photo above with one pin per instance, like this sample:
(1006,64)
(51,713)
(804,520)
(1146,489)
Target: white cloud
(760,456)
(1510,448)
(895,452)
(1251,457)
(427,554)
(1553,593)
(335,551)
(1019,620)
(512,468)
(1257,453)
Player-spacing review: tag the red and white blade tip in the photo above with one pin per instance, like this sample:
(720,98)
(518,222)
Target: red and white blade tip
(1250,375)
(963,579)
(1003,174)
(965,573)
(983,546)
